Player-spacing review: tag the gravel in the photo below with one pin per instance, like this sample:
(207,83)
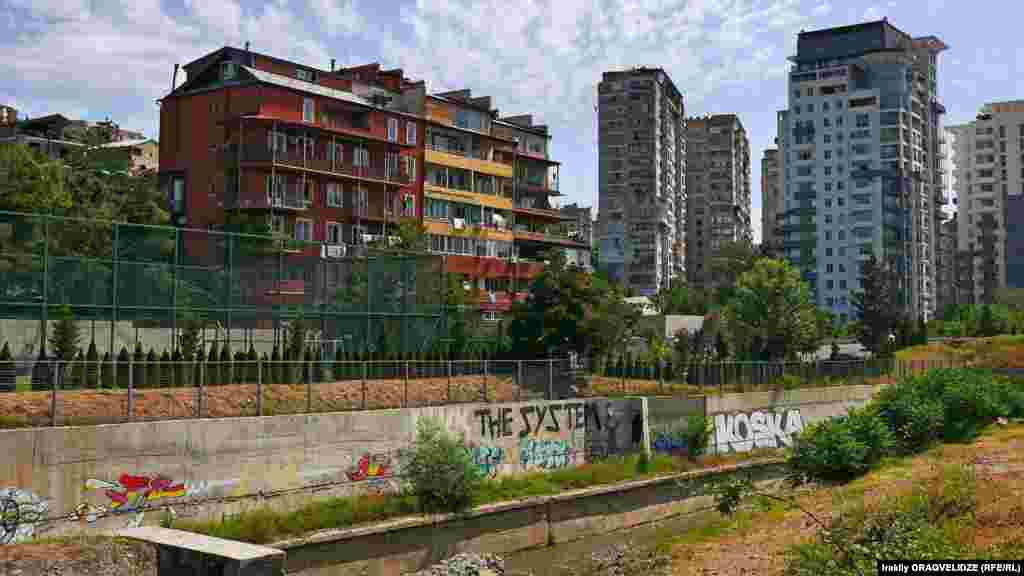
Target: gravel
(467,565)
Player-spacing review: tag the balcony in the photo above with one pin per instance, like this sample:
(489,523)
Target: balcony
(288,201)
(537,186)
(375,171)
(547,234)
(474,160)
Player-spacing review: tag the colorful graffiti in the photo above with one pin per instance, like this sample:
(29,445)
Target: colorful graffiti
(489,459)
(371,466)
(544,454)
(742,432)
(533,419)
(22,513)
(672,442)
(131,493)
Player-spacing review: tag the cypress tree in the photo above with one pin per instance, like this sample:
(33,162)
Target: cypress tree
(226,372)
(254,368)
(78,370)
(138,367)
(107,371)
(152,369)
(92,367)
(199,368)
(241,367)
(165,369)
(178,371)
(275,366)
(213,366)
(8,373)
(123,368)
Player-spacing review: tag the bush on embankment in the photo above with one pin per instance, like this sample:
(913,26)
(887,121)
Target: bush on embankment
(950,405)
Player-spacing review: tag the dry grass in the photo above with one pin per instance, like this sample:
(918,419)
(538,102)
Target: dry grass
(996,352)
(87,407)
(756,542)
(79,554)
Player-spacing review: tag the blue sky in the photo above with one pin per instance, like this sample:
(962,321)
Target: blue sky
(113,58)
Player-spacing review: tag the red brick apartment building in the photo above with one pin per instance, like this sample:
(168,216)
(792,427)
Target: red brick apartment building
(342,156)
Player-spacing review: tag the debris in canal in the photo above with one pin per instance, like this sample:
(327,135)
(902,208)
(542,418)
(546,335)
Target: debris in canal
(467,565)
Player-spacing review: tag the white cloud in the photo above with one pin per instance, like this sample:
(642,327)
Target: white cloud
(223,16)
(872,13)
(339,17)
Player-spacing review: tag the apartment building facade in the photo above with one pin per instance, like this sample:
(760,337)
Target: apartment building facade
(581,223)
(771,200)
(641,179)
(489,188)
(862,171)
(718,190)
(344,156)
(987,163)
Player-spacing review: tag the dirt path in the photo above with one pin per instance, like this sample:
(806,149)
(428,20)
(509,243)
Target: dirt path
(757,542)
(77,556)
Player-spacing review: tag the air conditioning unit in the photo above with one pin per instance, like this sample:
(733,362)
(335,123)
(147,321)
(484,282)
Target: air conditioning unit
(458,223)
(335,250)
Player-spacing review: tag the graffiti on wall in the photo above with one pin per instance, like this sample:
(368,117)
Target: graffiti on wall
(489,459)
(377,472)
(742,432)
(22,514)
(134,493)
(130,493)
(531,420)
(544,454)
(670,439)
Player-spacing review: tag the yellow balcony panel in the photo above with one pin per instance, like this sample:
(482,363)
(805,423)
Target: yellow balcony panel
(467,197)
(474,164)
(444,228)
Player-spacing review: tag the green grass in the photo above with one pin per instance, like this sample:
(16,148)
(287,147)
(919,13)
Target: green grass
(264,525)
(23,384)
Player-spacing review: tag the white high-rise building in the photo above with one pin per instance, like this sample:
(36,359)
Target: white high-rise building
(860,162)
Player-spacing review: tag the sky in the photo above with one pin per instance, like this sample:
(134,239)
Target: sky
(94,59)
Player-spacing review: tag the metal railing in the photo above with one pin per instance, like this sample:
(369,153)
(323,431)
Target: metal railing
(79,392)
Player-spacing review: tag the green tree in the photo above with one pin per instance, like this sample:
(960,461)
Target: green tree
(987,322)
(65,336)
(727,264)
(557,316)
(30,182)
(875,306)
(771,314)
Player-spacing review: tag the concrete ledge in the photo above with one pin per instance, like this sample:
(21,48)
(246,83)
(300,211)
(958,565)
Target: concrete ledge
(411,543)
(184,553)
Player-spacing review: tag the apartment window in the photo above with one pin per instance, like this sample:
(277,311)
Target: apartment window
(309,191)
(828,201)
(796,95)
(839,104)
(839,202)
(333,233)
(360,157)
(828,218)
(828,170)
(827,137)
(842,283)
(178,195)
(392,130)
(828,235)
(841,236)
(839,185)
(828,251)
(863,120)
(826,122)
(410,165)
(361,199)
(410,132)
(334,196)
(828,154)
(228,70)
(839,120)
(824,106)
(828,186)
(308,110)
(392,164)
(304,75)
(810,107)
(304,230)
(796,109)
(1002,131)
(809,92)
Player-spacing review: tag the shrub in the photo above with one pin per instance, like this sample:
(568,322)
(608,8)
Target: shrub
(440,470)
(843,448)
(699,429)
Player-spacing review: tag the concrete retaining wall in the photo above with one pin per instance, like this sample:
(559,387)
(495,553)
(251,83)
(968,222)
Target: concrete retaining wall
(413,543)
(107,477)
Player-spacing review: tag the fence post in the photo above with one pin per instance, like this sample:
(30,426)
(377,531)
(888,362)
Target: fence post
(364,385)
(485,380)
(202,389)
(53,395)
(309,387)
(519,380)
(131,390)
(259,387)
(449,366)
(406,400)
(551,380)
